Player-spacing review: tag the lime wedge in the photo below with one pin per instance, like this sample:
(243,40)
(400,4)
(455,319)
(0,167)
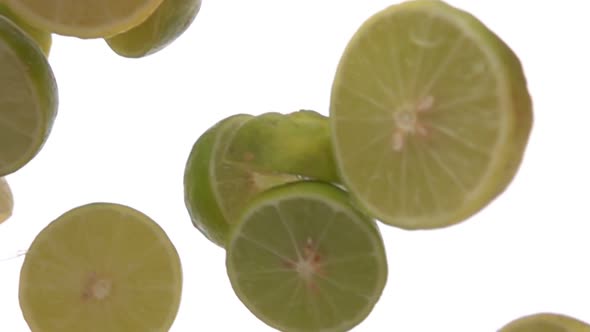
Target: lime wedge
(101,267)
(6,201)
(546,322)
(28,98)
(430,115)
(216,188)
(301,258)
(84,18)
(164,26)
(42,38)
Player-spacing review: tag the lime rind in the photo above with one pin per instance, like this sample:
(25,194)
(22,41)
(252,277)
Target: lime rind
(318,312)
(515,116)
(39,76)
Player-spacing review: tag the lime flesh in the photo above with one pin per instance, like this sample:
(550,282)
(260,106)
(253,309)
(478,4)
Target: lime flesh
(430,115)
(302,258)
(101,267)
(546,322)
(28,98)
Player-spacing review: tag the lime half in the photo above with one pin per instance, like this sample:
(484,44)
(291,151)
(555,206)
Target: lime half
(6,201)
(546,322)
(165,25)
(302,258)
(28,98)
(430,115)
(101,267)
(217,188)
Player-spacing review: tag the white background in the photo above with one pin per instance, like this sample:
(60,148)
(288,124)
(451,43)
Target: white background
(125,128)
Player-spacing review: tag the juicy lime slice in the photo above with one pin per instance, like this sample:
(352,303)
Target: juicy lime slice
(43,38)
(216,189)
(302,258)
(430,115)
(164,26)
(6,201)
(546,322)
(101,267)
(84,18)
(28,98)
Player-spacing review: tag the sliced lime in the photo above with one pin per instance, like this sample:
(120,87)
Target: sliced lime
(301,258)
(546,322)
(164,26)
(28,98)
(101,267)
(216,189)
(6,201)
(430,115)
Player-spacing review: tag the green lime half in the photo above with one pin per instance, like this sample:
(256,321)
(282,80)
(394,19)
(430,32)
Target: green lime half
(546,322)
(430,115)
(216,189)
(164,26)
(101,267)
(28,98)
(302,258)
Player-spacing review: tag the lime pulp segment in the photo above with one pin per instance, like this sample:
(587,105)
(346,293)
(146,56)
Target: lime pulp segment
(302,258)
(430,115)
(101,267)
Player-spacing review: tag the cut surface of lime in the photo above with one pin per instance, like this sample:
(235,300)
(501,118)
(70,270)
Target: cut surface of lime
(165,25)
(301,258)
(28,98)
(430,115)
(546,322)
(216,188)
(84,18)
(101,267)
(6,201)
(43,38)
